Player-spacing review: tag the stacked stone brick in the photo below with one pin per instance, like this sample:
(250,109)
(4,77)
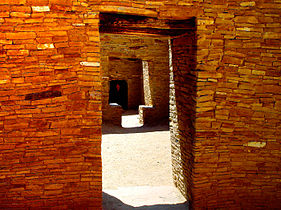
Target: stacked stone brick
(50,141)
(237,115)
(50,105)
(129,70)
(183,109)
(152,87)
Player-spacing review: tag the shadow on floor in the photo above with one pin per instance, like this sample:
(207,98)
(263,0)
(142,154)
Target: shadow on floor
(130,112)
(114,129)
(112,203)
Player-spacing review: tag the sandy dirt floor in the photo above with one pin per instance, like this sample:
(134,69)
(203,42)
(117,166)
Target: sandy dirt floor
(137,171)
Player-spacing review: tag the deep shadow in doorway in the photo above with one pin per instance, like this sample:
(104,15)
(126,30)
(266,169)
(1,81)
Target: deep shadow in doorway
(118,93)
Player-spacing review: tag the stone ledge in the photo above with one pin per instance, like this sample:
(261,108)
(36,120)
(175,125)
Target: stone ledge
(128,11)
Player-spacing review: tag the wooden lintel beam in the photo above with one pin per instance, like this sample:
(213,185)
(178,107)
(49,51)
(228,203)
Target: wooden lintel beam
(116,23)
(142,31)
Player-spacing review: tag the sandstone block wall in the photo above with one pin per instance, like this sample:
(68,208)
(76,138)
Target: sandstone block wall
(237,142)
(50,105)
(236,146)
(152,50)
(183,109)
(130,70)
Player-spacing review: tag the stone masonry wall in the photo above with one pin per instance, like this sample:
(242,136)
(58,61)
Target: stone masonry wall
(182,109)
(152,50)
(237,143)
(50,105)
(129,70)
(237,123)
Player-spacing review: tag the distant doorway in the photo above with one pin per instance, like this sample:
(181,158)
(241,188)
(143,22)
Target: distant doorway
(172,79)
(118,93)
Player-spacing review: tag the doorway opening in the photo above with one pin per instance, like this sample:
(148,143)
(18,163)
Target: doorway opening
(118,93)
(123,91)
(167,51)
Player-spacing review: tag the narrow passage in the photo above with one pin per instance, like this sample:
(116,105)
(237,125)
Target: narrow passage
(137,171)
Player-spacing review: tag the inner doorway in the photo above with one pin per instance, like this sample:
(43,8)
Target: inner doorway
(118,93)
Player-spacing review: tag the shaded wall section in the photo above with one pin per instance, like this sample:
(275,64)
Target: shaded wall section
(183,87)
(129,70)
(131,50)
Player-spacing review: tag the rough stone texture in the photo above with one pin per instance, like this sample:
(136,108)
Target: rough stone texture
(130,70)
(50,148)
(50,106)
(146,84)
(146,115)
(113,114)
(237,103)
(182,109)
(132,50)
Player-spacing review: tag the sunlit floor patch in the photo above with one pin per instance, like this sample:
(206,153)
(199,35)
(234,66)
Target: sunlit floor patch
(137,168)
(130,119)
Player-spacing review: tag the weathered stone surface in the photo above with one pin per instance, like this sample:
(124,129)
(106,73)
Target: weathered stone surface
(127,10)
(122,59)
(256,144)
(45,46)
(12,2)
(41,159)
(90,64)
(21,35)
(130,72)
(248,4)
(40,8)
(183,108)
